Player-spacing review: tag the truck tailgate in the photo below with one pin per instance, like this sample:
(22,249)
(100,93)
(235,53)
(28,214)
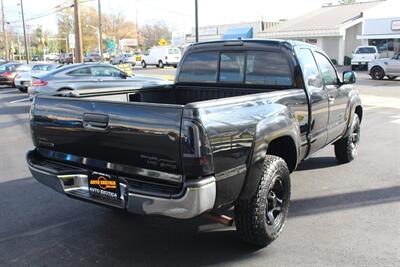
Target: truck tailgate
(136,139)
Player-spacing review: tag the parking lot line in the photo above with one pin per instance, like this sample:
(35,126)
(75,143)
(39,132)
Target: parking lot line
(8,91)
(19,100)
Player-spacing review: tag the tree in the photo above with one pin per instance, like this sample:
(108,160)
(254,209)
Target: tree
(347,2)
(152,33)
(115,26)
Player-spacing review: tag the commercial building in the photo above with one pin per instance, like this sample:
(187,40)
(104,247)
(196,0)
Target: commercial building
(337,29)
(246,30)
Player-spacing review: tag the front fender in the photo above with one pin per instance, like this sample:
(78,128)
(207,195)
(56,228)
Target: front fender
(269,129)
(353,102)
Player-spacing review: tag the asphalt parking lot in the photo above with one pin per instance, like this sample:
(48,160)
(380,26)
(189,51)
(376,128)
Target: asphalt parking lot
(340,215)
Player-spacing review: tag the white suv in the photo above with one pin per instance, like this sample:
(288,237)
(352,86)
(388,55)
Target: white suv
(363,55)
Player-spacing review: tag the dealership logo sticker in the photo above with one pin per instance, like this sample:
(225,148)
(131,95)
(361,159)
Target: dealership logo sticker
(103,183)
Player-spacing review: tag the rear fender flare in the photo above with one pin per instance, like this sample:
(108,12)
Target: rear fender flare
(267,130)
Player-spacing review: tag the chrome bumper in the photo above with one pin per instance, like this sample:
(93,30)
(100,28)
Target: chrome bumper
(196,197)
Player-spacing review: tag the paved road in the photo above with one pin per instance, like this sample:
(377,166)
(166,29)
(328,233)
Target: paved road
(340,215)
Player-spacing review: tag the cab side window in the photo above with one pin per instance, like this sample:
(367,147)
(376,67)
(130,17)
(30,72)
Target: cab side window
(312,77)
(328,72)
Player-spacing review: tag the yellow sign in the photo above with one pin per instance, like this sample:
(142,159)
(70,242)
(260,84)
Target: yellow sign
(162,42)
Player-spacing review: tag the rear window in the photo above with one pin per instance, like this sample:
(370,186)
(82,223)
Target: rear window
(174,51)
(366,50)
(268,68)
(199,67)
(252,67)
(231,67)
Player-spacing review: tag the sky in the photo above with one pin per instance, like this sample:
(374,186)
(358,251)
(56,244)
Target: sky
(178,14)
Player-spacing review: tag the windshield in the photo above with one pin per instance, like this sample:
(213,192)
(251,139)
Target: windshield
(366,50)
(7,67)
(43,67)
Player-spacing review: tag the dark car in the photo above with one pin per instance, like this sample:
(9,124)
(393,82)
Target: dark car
(91,57)
(240,117)
(67,58)
(8,73)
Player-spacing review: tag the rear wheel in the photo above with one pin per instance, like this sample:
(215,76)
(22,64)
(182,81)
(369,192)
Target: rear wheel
(260,219)
(160,64)
(346,148)
(144,65)
(377,73)
(23,89)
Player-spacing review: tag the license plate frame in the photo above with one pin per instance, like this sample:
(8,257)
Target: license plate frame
(103,185)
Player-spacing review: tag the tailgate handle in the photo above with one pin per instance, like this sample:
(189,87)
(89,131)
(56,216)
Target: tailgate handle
(95,121)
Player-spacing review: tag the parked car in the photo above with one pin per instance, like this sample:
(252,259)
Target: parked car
(239,118)
(363,55)
(23,79)
(85,76)
(91,57)
(8,72)
(162,56)
(124,59)
(67,58)
(51,57)
(389,67)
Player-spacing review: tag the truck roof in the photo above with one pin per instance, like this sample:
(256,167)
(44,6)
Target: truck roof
(252,42)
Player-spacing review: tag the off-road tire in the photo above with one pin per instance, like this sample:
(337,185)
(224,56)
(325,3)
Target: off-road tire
(251,215)
(346,148)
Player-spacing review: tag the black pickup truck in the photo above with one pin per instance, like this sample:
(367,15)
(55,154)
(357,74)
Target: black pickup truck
(239,118)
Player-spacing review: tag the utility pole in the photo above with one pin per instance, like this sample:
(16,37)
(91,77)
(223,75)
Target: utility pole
(100,31)
(4,32)
(25,40)
(78,34)
(196,17)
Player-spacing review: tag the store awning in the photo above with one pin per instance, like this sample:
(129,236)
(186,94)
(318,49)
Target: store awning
(235,33)
(379,36)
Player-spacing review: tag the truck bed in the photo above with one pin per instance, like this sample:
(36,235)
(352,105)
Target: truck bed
(182,95)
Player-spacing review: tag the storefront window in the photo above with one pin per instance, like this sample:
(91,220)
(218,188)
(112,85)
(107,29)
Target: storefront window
(386,47)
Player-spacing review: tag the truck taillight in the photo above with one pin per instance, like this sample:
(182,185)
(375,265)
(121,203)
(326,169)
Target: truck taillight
(197,154)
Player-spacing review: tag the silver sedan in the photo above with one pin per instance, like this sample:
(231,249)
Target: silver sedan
(86,76)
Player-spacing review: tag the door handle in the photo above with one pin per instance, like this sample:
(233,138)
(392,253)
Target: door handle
(95,121)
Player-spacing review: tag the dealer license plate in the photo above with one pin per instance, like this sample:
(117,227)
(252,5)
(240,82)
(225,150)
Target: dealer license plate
(104,185)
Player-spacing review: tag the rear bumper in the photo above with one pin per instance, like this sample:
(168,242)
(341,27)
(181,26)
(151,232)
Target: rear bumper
(195,198)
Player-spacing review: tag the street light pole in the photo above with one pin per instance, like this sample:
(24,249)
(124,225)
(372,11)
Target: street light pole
(25,40)
(196,17)
(78,33)
(4,32)
(100,30)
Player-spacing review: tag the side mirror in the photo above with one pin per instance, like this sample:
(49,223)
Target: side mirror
(349,77)
(124,75)
(314,81)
